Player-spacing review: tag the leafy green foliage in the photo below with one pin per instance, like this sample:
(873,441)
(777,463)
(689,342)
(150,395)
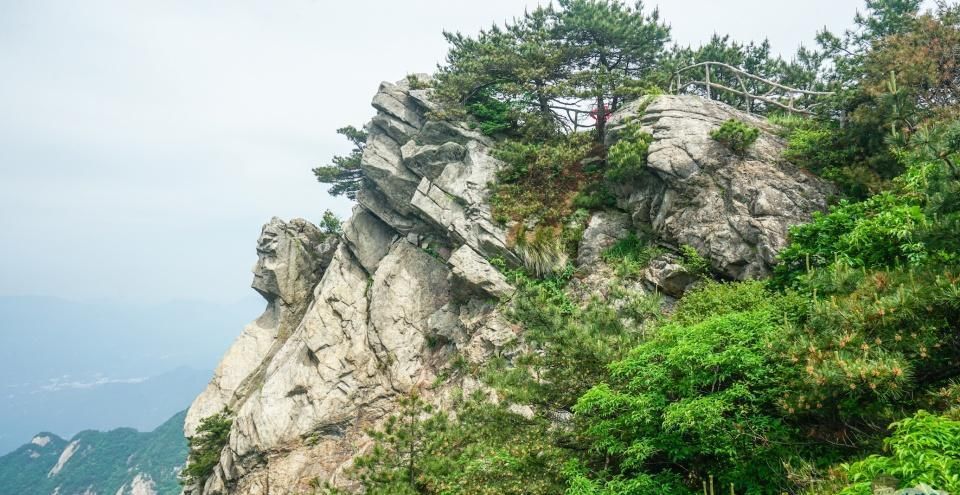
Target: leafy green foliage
(396,462)
(882,231)
(571,344)
(924,448)
(206,446)
(494,117)
(692,261)
(736,135)
(583,52)
(872,343)
(486,450)
(912,225)
(817,145)
(892,75)
(629,256)
(611,44)
(540,180)
(330,224)
(697,397)
(594,196)
(344,173)
(627,158)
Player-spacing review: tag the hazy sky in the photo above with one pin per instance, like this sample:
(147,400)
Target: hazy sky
(144,143)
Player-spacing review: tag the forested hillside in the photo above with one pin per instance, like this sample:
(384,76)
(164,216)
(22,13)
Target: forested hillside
(121,461)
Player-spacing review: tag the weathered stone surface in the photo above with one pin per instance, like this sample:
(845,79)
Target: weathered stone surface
(369,237)
(392,100)
(291,257)
(603,230)
(666,274)
(409,286)
(477,275)
(381,164)
(290,260)
(734,210)
(430,160)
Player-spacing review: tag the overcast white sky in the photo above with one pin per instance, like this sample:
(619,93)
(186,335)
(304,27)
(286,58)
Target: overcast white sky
(143,143)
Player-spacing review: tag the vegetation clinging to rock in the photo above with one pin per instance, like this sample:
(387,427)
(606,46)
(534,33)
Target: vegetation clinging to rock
(206,446)
(776,386)
(736,135)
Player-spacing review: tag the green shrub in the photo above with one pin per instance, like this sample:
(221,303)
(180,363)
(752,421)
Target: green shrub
(692,261)
(883,231)
(697,399)
(871,345)
(540,179)
(736,135)
(331,224)
(206,446)
(818,147)
(492,116)
(924,448)
(595,196)
(627,158)
(484,449)
(630,255)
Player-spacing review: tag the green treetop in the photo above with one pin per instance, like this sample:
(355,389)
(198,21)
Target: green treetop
(344,173)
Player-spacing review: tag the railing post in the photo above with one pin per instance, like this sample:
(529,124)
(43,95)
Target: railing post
(707,70)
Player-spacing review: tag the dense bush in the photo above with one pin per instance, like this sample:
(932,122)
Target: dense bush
(487,450)
(817,146)
(913,224)
(493,117)
(630,255)
(206,446)
(924,448)
(540,179)
(736,135)
(627,158)
(697,398)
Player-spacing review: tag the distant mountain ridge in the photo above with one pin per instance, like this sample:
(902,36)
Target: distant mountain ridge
(67,366)
(117,462)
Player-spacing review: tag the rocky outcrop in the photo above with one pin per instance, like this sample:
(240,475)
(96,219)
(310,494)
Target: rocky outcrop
(736,211)
(667,275)
(351,324)
(291,258)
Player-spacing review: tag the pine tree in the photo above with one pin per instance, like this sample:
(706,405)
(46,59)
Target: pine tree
(611,44)
(344,173)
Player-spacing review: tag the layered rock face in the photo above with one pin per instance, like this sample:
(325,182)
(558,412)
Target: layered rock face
(736,211)
(347,324)
(352,325)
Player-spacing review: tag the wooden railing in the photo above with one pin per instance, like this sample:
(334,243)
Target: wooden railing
(793,100)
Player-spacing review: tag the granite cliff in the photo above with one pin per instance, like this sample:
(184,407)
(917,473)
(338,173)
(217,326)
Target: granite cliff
(355,321)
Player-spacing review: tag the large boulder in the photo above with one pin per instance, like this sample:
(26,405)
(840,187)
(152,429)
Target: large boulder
(734,210)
